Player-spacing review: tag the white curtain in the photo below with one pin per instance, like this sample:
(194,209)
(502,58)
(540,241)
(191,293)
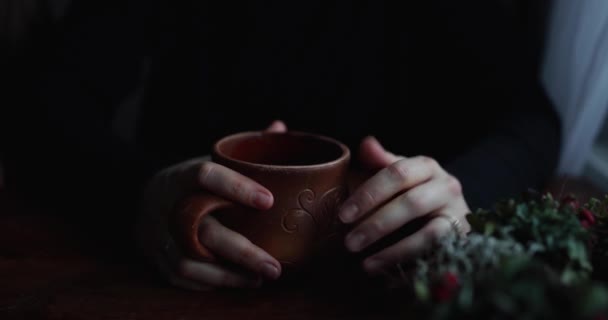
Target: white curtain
(575,74)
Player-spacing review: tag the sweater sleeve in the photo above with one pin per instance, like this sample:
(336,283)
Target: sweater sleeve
(521,150)
(519,154)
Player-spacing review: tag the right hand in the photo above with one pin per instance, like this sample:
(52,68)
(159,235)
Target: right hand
(240,263)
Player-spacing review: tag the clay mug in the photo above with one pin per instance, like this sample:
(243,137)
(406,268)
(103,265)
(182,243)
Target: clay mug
(306,173)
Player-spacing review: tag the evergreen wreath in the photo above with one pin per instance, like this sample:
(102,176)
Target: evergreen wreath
(530,258)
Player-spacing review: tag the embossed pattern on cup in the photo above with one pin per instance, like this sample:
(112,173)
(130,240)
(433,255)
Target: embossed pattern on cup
(306,174)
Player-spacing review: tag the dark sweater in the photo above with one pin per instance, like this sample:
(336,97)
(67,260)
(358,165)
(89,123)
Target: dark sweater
(447,79)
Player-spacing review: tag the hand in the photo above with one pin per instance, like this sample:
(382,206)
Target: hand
(403,189)
(240,263)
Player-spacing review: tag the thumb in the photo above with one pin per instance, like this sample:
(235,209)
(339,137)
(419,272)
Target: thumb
(373,156)
(277,126)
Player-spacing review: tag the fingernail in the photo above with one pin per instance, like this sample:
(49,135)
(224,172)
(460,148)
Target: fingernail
(372,265)
(349,213)
(354,241)
(262,200)
(270,271)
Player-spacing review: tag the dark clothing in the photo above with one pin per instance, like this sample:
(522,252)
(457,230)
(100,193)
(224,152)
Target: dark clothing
(448,79)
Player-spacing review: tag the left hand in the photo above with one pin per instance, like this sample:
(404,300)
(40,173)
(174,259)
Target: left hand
(403,189)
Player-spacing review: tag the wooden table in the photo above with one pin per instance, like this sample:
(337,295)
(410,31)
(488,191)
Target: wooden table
(49,271)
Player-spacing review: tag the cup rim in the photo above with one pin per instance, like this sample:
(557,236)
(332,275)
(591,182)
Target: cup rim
(345,155)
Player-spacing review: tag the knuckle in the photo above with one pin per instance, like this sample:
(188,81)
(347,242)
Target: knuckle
(398,170)
(238,189)
(429,161)
(367,199)
(205,171)
(376,227)
(415,201)
(454,186)
(247,254)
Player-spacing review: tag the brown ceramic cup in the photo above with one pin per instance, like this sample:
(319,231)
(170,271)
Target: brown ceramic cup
(306,174)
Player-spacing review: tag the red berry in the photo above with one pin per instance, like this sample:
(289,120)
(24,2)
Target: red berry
(450,279)
(585,215)
(445,290)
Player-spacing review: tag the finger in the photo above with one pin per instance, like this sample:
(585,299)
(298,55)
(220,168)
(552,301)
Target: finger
(189,284)
(417,202)
(237,249)
(399,176)
(408,248)
(373,155)
(233,186)
(167,258)
(214,275)
(277,126)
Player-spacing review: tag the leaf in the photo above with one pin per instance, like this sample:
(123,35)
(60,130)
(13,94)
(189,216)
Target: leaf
(521,211)
(577,251)
(535,247)
(422,291)
(465,296)
(489,229)
(569,276)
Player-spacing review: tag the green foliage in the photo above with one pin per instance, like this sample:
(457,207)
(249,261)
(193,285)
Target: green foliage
(526,259)
(553,231)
